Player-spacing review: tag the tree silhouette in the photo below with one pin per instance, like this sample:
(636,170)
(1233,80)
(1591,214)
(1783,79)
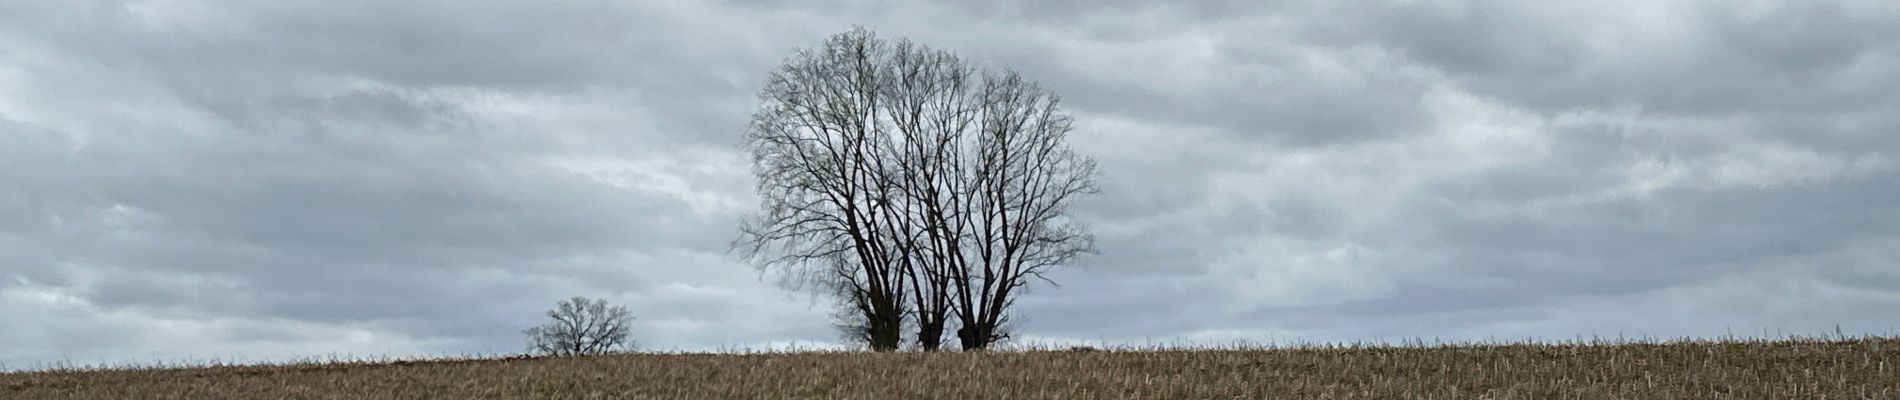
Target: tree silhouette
(913,184)
(580,326)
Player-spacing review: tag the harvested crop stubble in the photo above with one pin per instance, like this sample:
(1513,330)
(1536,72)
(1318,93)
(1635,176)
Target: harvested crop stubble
(1863,368)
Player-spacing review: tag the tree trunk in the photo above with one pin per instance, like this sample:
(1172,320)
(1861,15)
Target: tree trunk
(930,333)
(886,328)
(976,336)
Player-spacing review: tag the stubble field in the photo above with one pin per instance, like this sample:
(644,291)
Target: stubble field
(1863,368)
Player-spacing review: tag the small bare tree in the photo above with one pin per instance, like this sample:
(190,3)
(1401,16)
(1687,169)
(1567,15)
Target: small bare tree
(580,326)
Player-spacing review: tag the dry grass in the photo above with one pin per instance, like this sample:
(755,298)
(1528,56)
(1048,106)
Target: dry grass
(1785,369)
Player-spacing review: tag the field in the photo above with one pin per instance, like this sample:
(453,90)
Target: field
(1864,368)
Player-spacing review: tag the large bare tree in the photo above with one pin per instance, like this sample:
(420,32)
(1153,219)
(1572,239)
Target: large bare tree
(914,184)
(925,92)
(1014,211)
(825,189)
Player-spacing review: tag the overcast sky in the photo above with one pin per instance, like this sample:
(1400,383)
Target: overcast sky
(191,180)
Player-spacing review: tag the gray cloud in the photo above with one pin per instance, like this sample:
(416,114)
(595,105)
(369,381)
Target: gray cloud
(270,180)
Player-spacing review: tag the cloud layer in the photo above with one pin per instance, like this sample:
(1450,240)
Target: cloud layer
(188,180)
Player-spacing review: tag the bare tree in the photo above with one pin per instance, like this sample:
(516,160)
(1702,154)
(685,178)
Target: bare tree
(1015,210)
(928,112)
(914,185)
(581,326)
(823,185)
